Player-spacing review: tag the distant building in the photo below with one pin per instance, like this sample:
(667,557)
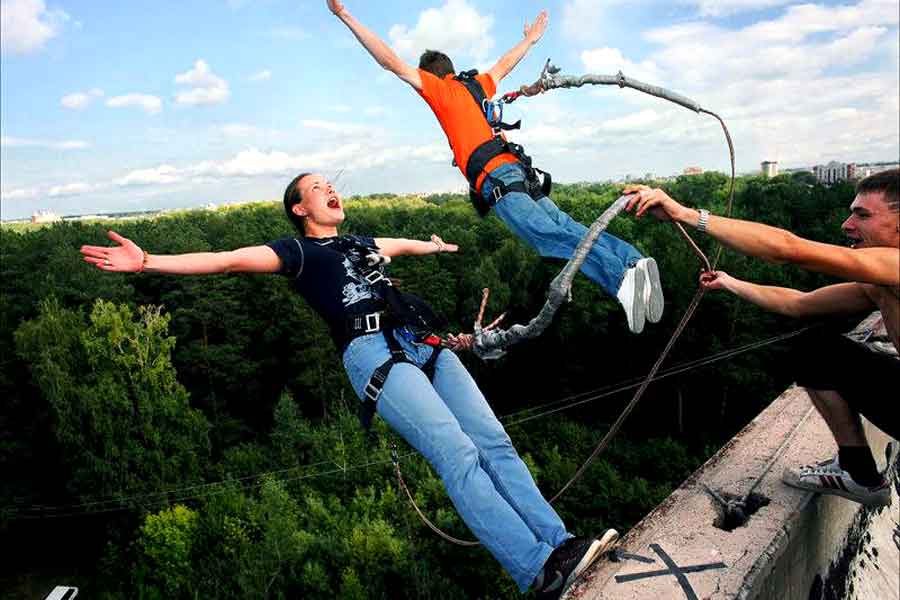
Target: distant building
(45,216)
(834,172)
(861,172)
(693,170)
(769,168)
(865,170)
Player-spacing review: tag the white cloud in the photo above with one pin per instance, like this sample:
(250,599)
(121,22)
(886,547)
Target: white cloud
(264,75)
(582,19)
(253,162)
(162,174)
(455,28)
(149,104)
(812,83)
(26,25)
(339,127)
(609,61)
(15,142)
(240,130)
(70,189)
(374,111)
(803,20)
(636,121)
(19,194)
(702,54)
(206,86)
(80,100)
(719,8)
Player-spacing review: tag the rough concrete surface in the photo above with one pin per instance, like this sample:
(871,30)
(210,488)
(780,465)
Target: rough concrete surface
(800,546)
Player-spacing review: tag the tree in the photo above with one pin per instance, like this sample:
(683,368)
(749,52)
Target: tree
(123,421)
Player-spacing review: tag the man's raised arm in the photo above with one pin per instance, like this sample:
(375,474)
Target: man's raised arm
(508,61)
(380,51)
(128,257)
(879,265)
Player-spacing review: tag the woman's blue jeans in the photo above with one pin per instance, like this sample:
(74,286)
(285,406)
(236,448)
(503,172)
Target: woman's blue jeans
(450,423)
(553,233)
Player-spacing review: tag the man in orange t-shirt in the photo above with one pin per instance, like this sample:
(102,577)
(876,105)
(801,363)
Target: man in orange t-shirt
(507,185)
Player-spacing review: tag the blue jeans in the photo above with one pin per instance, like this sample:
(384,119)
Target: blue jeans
(450,423)
(553,233)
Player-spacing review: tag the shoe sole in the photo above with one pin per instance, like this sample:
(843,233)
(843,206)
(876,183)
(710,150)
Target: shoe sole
(638,306)
(872,501)
(595,551)
(656,305)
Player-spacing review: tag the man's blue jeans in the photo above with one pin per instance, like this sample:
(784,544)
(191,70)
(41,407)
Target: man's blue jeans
(553,233)
(450,423)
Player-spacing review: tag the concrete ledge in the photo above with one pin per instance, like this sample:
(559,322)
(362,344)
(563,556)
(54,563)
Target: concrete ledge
(795,547)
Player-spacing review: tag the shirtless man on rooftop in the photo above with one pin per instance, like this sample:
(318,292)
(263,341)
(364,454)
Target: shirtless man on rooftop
(843,378)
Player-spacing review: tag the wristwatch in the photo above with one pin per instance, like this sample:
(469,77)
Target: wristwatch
(703,221)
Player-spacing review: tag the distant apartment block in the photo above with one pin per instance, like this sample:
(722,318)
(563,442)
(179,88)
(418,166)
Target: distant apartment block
(834,172)
(45,216)
(769,168)
(692,170)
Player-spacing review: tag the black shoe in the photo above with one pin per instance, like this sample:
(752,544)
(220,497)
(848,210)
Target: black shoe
(569,561)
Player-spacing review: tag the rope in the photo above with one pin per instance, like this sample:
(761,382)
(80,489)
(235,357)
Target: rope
(53,511)
(96,506)
(637,396)
(432,526)
(585,397)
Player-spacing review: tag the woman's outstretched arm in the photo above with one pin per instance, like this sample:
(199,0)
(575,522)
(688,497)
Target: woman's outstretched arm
(403,247)
(128,257)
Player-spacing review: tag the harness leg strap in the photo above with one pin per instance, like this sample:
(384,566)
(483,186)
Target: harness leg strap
(379,377)
(430,364)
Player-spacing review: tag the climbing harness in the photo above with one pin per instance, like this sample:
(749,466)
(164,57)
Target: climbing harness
(406,315)
(494,147)
(491,344)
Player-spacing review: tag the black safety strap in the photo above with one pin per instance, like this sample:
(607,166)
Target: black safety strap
(376,381)
(467,78)
(430,364)
(380,375)
(497,145)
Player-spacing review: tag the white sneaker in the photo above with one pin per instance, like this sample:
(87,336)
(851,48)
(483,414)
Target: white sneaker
(631,297)
(653,293)
(827,477)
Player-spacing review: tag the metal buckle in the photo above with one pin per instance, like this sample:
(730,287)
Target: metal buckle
(497,193)
(374,277)
(373,322)
(372,392)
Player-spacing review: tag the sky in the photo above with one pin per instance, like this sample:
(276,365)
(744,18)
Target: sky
(126,106)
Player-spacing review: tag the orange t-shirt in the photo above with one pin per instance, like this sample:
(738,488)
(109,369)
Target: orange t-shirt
(461,118)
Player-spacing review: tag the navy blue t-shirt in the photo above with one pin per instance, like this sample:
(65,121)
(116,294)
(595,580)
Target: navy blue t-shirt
(327,280)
